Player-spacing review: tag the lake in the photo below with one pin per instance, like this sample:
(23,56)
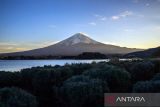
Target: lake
(17,65)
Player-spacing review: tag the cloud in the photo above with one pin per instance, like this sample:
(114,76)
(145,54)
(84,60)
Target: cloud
(6,49)
(115,17)
(21,49)
(15,47)
(9,48)
(126,13)
(96,15)
(140,15)
(52,26)
(103,18)
(122,15)
(93,23)
(157,28)
(135,1)
(8,44)
(147,4)
(129,30)
(100,17)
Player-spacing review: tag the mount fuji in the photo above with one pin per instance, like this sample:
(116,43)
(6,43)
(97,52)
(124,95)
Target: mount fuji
(74,45)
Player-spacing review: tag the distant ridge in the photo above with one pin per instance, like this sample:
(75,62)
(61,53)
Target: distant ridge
(74,45)
(152,52)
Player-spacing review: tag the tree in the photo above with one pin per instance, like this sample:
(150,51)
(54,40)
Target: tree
(91,55)
(15,97)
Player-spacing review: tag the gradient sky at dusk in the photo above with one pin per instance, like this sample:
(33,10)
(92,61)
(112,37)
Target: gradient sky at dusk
(30,24)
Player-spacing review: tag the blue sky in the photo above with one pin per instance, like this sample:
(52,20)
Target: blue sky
(30,24)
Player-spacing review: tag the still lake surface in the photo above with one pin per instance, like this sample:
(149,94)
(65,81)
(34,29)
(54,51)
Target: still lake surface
(17,65)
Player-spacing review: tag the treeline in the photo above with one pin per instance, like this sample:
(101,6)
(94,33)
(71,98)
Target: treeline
(84,55)
(29,57)
(77,85)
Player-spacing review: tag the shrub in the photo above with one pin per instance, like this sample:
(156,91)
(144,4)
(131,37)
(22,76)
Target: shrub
(14,97)
(118,79)
(81,91)
(142,71)
(43,81)
(156,77)
(79,68)
(157,66)
(147,87)
(9,79)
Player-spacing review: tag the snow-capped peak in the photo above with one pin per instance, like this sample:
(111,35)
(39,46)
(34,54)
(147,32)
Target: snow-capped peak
(78,38)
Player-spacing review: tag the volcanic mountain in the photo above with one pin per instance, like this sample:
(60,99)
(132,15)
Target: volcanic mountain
(74,45)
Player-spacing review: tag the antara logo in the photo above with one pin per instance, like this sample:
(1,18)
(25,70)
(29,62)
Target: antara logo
(130,99)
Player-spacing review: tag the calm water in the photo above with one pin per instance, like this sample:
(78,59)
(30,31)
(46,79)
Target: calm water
(17,65)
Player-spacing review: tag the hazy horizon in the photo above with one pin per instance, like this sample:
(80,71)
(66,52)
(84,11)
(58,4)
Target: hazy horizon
(31,24)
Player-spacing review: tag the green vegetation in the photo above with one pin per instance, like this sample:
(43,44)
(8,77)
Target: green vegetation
(84,55)
(147,87)
(91,55)
(14,97)
(81,91)
(77,85)
(118,79)
(142,71)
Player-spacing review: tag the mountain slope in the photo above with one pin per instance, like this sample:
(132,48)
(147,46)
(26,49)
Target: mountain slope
(74,45)
(153,52)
